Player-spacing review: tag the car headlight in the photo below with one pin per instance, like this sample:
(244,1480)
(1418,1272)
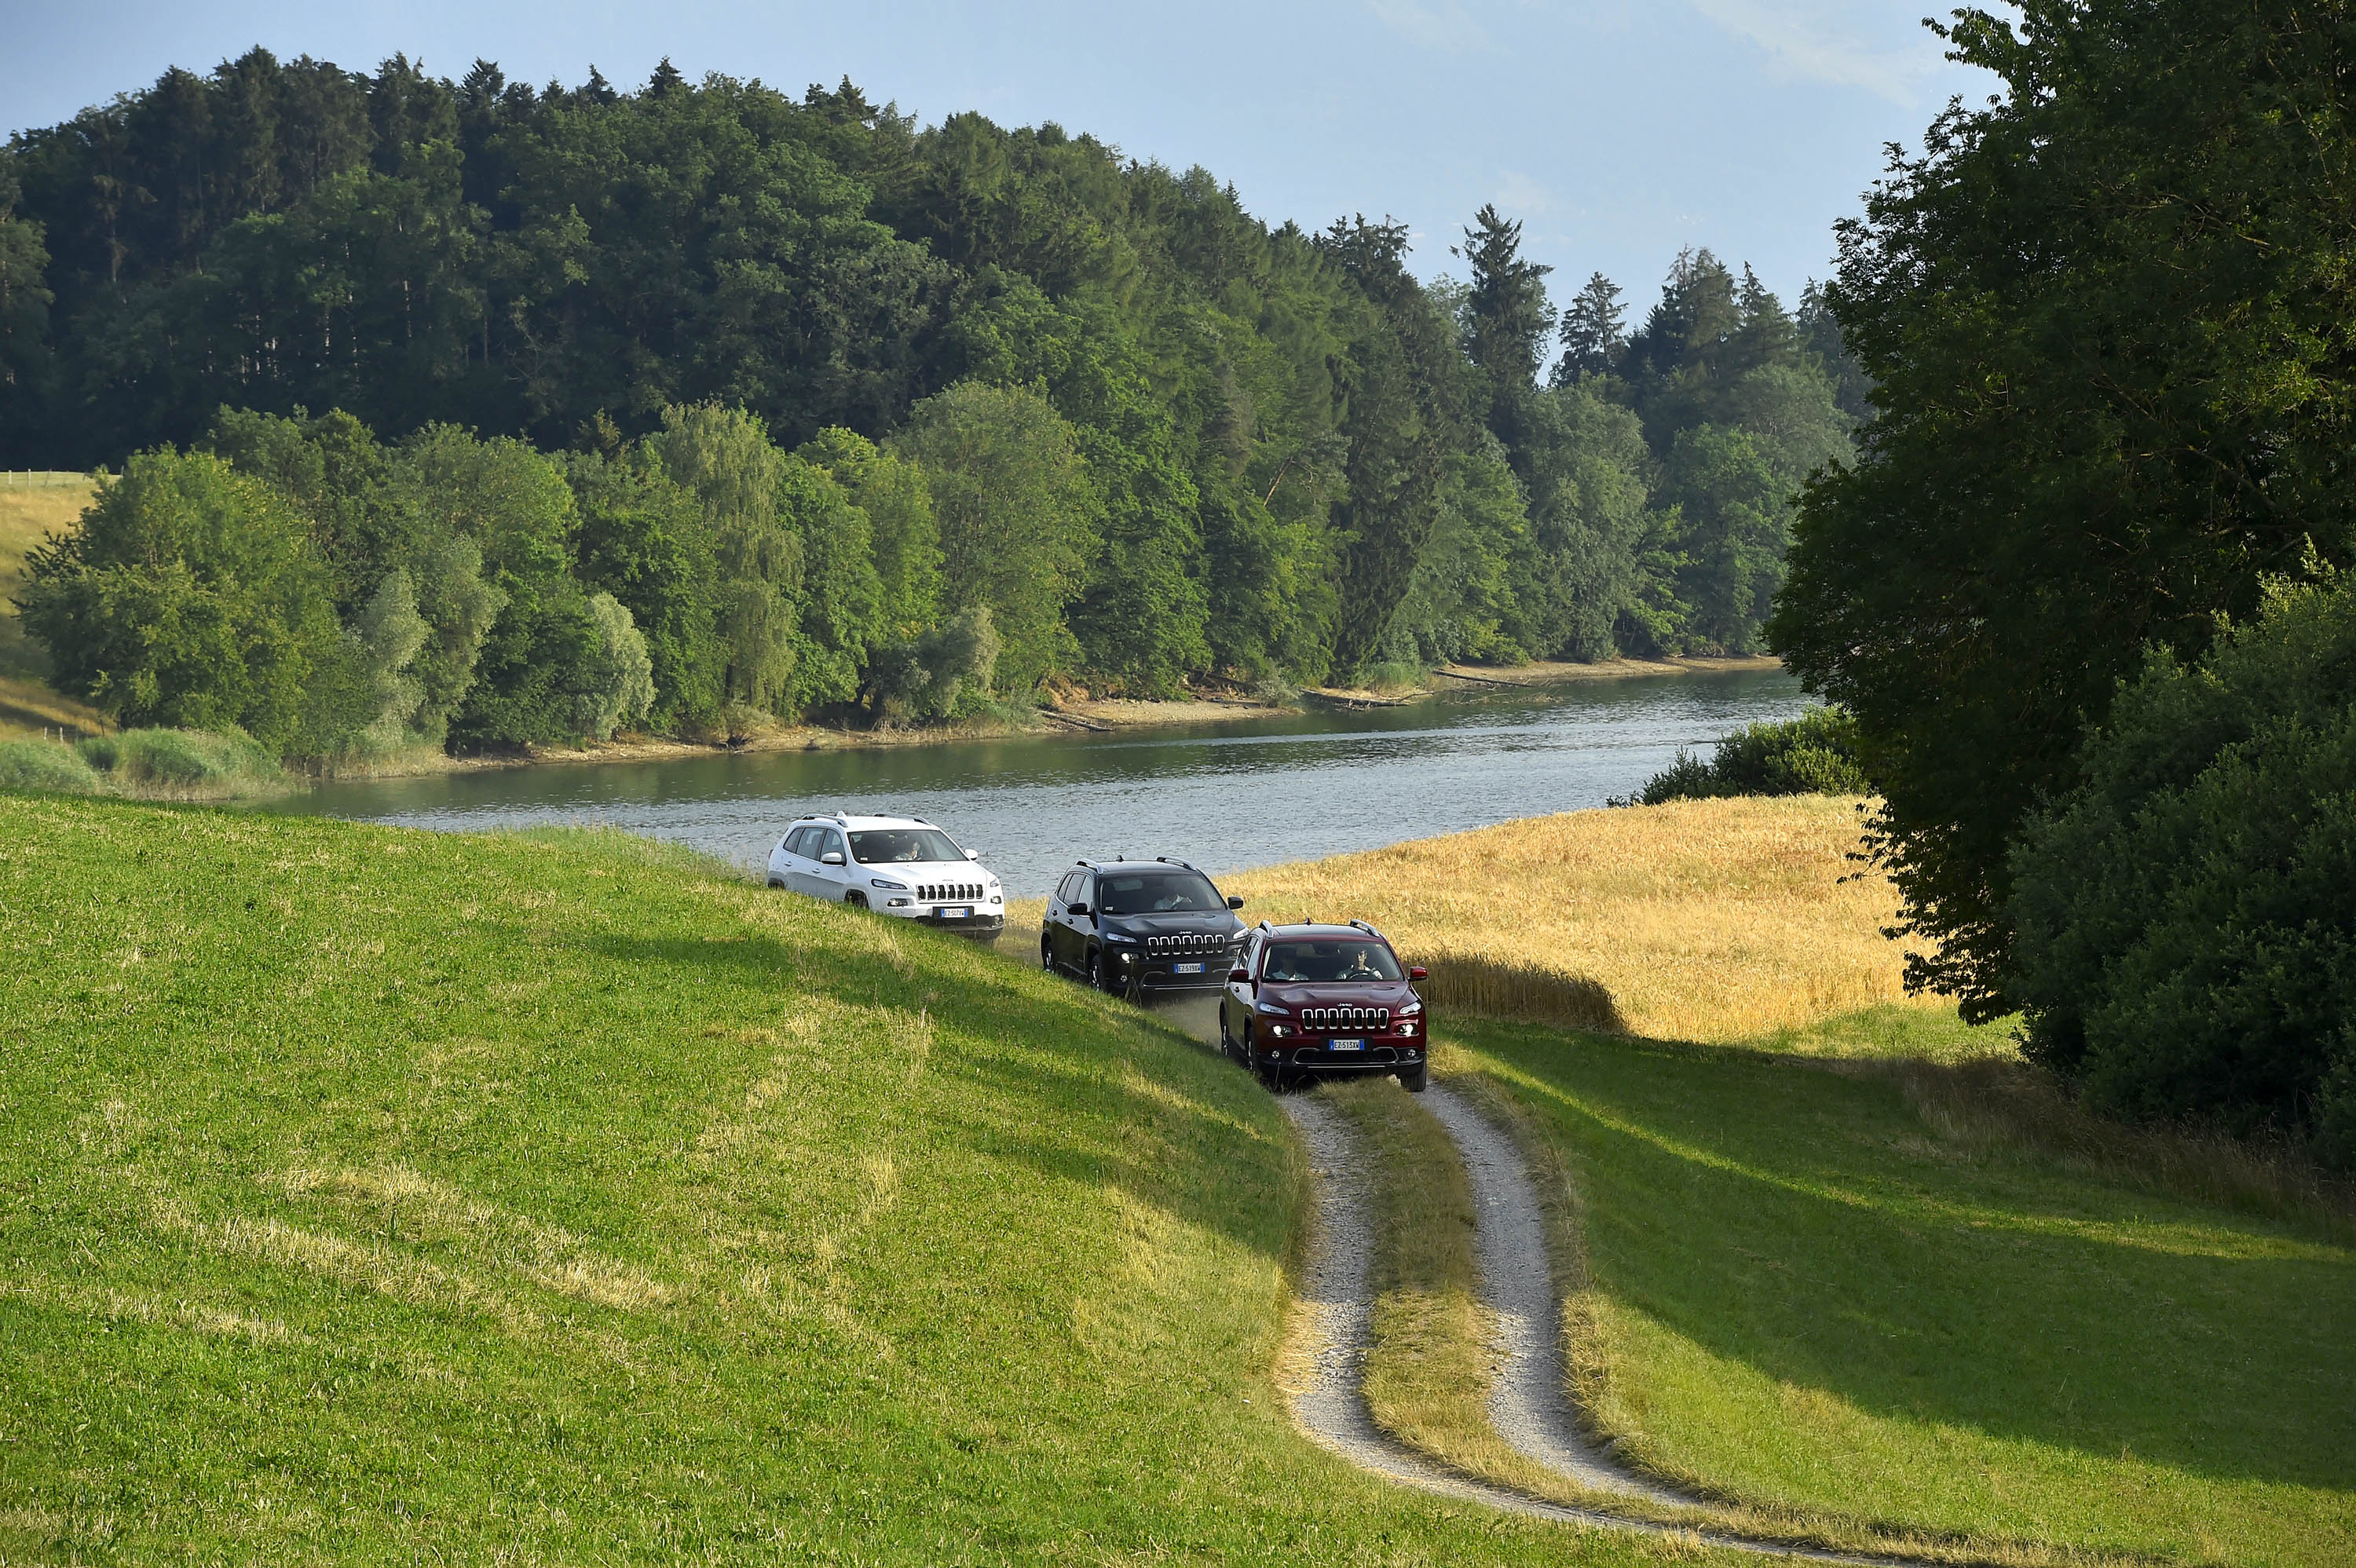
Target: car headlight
(1411,1009)
(1269,1009)
(1119,937)
(888,887)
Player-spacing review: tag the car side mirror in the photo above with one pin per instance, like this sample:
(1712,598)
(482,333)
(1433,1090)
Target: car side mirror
(1238,976)
(973,854)
(831,857)
(1077,911)
(1234,903)
(1418,972)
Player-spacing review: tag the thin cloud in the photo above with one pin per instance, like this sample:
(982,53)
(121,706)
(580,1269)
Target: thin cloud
(1817,39)
(1447,25)
(1517,192)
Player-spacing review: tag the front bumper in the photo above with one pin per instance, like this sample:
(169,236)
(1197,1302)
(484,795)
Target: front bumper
(985,920)
(1379,1056)
(1154,971)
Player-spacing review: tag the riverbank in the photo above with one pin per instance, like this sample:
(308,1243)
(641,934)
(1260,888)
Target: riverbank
(1535,675)
(1070,714)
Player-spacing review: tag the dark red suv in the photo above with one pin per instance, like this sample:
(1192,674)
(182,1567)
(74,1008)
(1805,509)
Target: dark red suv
(1310,999)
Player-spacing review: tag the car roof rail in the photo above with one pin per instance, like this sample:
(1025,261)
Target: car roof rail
(1173,860)
(1369,930)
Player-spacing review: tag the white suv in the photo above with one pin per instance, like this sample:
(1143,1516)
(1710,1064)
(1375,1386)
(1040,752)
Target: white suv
(900,866)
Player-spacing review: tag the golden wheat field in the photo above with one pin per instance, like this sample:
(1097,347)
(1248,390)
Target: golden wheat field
(1713,920)
(33,507)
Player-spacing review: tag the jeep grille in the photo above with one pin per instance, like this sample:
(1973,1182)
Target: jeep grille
(940,892)
(1188,942)
(1346,1018)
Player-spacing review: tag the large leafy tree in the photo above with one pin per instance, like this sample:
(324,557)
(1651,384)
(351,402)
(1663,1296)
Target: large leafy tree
(2106,317)
(192,595)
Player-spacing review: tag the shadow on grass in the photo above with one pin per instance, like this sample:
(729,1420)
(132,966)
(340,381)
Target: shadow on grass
(1809,1224)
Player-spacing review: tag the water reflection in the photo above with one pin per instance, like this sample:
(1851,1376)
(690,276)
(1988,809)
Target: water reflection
(1225,795)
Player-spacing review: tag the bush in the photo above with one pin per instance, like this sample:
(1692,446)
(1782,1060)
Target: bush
(45,765)
(1813,754)
(2186,916)
(179,759)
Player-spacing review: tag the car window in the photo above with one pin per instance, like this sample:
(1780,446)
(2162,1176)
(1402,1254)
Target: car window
(1068,890)
(902,845)
(1339,960)
(1156,893)
(798,842)
(828,842)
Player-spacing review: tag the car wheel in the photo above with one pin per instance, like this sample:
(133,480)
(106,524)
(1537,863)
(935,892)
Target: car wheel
(1259,1067)
(1097,977)
(1411,1079)
(775,882)
(1046,956)
(855,900)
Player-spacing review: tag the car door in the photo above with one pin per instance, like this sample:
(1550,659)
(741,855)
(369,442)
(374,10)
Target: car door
(1063,927)
(800,860)
(1235,1002)
(831,882)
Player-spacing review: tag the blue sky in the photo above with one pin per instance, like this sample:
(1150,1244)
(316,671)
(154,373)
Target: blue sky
(1616,132)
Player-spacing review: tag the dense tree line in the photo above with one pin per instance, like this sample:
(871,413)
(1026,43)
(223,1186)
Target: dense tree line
(1255,453)
(2106,319)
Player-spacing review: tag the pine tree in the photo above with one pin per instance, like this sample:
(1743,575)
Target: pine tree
(1595,335)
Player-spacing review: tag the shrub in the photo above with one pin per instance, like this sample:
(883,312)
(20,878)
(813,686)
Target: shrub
(179,759)
(1813,754)
(2186,916)
(45,765)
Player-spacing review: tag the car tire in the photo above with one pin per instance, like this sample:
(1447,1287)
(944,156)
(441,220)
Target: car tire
(1412,1079)
(1097,978)
(1046,956)
(1258,1066)
(775,882)
(855,900)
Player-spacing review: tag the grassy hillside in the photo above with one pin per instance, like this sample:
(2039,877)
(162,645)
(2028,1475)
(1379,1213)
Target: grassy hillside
(33,507)
(377,1195)
(1715,919)
(1816,1289)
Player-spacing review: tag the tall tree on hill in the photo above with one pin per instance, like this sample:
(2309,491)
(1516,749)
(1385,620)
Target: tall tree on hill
(1406,411)
(1506,323)
(1594,332)
(2105,320)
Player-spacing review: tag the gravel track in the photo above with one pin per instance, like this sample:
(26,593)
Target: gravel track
(1528,1406)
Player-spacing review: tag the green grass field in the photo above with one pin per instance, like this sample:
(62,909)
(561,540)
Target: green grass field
(375,1195)
(1814,1292)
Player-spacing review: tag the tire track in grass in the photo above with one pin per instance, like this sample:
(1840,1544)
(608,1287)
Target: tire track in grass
(1332,1332)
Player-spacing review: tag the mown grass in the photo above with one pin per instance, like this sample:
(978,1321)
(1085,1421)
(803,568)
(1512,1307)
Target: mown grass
(374,1195)
(1714,920)
(1863,1293)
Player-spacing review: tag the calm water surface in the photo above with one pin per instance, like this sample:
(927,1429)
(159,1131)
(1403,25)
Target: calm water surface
(1226,796)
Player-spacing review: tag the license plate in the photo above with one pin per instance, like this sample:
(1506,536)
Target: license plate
(1346,1045)
(960,912)
(1185,968)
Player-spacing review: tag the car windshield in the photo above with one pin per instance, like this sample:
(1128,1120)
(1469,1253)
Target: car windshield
(1336,960)
(1156,893)
(903,845)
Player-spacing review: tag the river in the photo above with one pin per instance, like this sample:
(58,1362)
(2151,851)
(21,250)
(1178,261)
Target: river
(1227,796)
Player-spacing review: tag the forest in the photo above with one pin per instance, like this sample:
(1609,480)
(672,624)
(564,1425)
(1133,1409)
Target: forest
(484,414)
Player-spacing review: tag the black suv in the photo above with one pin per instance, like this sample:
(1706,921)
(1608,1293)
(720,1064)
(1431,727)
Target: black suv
(1138,926)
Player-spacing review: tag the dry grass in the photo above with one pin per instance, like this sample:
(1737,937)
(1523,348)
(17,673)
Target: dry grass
(33,507)
(1715,919)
